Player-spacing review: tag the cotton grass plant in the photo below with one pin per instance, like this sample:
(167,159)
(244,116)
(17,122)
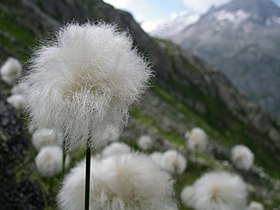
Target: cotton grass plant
(255,206)
(173,162)
(115,148)
(242,157)
(124,182)
(219,191)
(49,161)
(186,196)
(197,139)
(17,101)
(156,157)
(11,71)
(83,82)
(43,137)
(145,142)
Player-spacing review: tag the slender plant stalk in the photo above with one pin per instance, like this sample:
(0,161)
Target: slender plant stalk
(63,157)
(87,181)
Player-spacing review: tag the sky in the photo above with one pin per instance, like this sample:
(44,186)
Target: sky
(151,13)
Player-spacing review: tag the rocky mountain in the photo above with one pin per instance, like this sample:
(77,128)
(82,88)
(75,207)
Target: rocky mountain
(186,92)
(241,39)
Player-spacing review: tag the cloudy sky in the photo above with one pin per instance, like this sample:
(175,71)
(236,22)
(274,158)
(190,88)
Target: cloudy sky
(150,13)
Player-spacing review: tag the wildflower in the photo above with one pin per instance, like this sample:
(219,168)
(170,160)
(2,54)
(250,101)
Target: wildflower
(145,142)
(219,191)
(197,139)
(116,148)
(130,181)
(255,206)
(49,161)
(156,157)
(84,82)
(18,89)
(173,162)
(17,101)
(31,128)
(44,137)
(111,134)
(242,157)
(187,196)
(11,71)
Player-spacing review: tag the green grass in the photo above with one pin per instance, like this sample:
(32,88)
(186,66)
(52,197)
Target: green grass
(15,37)
(148,120)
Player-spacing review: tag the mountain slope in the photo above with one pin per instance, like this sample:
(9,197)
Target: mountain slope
(242,40)
(186,92)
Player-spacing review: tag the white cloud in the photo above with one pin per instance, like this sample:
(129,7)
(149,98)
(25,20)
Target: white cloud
(202,6)
(121,4)
(149,26)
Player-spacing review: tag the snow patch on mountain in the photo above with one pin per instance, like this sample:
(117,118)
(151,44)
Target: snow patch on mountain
(272,21)
(174,25)
(225,17)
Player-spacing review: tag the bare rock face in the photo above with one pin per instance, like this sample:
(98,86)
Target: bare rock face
(17,191)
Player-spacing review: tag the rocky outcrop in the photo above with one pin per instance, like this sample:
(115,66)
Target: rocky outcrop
(17,190)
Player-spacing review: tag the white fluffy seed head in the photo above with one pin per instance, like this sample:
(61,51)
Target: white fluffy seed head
(84,82)
(187,196)
(156,157)
(31,128)
(255,206)
(145,142)
(49,161)
(18,89)
(173,162)
(43,137)
(186,135)
(197,139)
(111,134)
(220,191)
(242,157)
(130,181)
(17,101)
(116,148)
(11,71)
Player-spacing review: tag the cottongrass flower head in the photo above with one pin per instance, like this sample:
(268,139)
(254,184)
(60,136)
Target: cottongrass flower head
(115,148)
(17,101)
(49,161)
(187,196)
(156,157)
(126,182)
(83,82)
(43,137)
(242,157)
(111,134)
(11,71)
(220,191)
(31,128)
(145,142)
(197,139)
(173,162)
(18,89)
(255,206)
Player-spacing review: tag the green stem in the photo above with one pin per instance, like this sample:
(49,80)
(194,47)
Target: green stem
(87,180)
